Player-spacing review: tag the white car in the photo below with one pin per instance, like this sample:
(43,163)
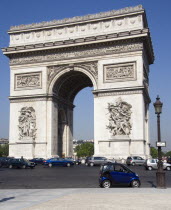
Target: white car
(151,164)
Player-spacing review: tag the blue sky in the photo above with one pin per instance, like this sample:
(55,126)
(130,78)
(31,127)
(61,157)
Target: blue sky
(159,16)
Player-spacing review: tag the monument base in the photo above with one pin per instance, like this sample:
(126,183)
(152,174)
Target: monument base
(120,147)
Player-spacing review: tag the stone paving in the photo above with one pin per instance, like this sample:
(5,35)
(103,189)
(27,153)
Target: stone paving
(75,199)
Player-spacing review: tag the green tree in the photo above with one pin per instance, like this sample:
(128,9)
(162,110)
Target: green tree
(4,150)
(85,149)
(168,154)
(153,152)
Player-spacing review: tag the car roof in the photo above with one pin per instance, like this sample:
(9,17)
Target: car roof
(112,164)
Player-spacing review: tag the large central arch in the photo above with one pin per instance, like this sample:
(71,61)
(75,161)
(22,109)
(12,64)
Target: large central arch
(64,87)
(52,61)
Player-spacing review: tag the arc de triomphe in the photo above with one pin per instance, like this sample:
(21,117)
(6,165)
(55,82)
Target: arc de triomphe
(52,61)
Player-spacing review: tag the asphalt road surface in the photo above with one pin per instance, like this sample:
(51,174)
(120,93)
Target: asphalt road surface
(79,176)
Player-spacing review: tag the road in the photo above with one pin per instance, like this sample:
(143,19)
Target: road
(66,177)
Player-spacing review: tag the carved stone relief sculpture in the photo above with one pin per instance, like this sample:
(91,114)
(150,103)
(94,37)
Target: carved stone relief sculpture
(27,124)
(119,119)
(30,80)
(118,72)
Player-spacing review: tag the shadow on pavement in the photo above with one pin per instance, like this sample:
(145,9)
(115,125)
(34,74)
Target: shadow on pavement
(152,184)
(6,199)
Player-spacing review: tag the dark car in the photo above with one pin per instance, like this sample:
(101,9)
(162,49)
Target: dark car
(76,162)
(169,160)
(58,162)
(87,160)
(116,173)
(4,161)
(37,160)
(21,163)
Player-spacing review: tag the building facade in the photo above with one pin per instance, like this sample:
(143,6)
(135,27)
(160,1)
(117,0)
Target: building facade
(51,62)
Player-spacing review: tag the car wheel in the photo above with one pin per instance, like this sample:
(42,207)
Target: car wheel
(50,164)
(168,168)
(76,163)
(133,164)
(24,166)
(135,183)
(150,168)
(68,164)
(106,184)
(10,166)
(91,164)
(86,164)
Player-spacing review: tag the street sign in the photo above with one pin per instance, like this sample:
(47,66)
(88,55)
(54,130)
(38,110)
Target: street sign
(161,144)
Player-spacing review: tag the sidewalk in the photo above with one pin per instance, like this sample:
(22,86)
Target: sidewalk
(86,199)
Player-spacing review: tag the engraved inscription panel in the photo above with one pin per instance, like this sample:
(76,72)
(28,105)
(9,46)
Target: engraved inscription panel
(28,81)
(119,72)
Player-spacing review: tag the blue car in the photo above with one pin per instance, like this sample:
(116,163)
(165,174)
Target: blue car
(58,162)
(115,173)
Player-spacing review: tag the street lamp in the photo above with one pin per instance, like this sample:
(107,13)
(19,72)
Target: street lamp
(160,175)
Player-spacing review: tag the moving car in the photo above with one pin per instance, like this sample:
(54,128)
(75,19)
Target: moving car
(135,160)
(169,160)
(116,173)
(4,161)
(21,163)
(151,164)
(37,160)
(58,162)
(76,162)
(94,161)
(87,160)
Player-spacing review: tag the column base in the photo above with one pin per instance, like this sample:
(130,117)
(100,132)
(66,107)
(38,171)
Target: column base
(161,180)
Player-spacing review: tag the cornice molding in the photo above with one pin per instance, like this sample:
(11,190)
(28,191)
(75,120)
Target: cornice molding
(76,52)
(35,98)
(123,91)
(90,17)
(73,42)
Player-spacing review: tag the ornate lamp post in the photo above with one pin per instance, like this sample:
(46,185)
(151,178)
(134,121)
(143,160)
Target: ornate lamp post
(160,175)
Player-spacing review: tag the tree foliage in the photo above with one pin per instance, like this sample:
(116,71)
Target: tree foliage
(153,152)
(168,154)
(85,149)
(4,150)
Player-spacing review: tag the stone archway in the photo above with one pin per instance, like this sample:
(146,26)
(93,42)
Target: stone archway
(52,61)
(64,87)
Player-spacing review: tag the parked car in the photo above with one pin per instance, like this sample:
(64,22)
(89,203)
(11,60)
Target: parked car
(169,160)
(94,161)
(21,163)
(87,160)
(116,173)
(151,164)
(58,162)
(135,160)
(4,161)
(37,160)
(76,161)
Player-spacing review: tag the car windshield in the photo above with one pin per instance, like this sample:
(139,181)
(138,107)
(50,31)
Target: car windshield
(129,170)
(26,160)
(107,168)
